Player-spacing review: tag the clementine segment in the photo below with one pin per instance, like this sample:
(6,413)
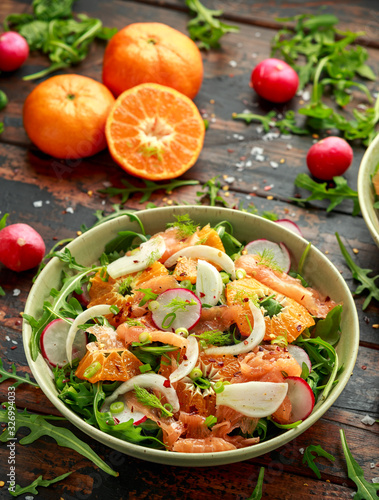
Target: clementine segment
(152,53)
(65,116)
(154,132)
(112,366)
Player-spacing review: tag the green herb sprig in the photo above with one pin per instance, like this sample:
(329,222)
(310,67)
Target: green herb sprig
(257,493)
(361,275)
(309,458)
(211,189)
(205,27)
(148,399)
(184,225)
(32,487)
(215,337)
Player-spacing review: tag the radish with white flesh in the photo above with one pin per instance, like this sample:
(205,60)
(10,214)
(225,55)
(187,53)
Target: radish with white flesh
(289,224)
(176,308)
(53,343)
(302,398)
(148,253)
(126,414)
(81,319)
(150,381)
(188,364)
(208,283)
(255,337)
(207,253)
(279,252)
(300,356)
(253,399)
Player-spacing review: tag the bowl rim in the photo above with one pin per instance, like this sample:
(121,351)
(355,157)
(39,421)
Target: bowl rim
(180,458)
(365,192)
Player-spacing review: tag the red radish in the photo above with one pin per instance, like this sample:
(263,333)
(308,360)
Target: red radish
(302,398)
(289,224)
(329,158)
(14,51)
(279,252)
(300,356)
(274,80)
(53,343)
(21,247)
(176,308)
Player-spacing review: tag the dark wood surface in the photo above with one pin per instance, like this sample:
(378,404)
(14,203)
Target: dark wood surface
(27,175)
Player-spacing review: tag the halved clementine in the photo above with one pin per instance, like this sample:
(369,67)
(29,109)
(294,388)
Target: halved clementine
(154,132)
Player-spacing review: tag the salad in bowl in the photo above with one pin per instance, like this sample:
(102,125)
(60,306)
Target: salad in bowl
(192,344)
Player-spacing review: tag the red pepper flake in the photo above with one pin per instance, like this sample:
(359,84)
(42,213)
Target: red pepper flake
(116,420)
(302,298)
(14,347)
(242,158)
(364,367)
(202,294)
(135,261)
(246,299)
(231,75)
(267,188)
(166,383)
(55,238)
(237,373)
(182,274)
(298,328)
(245,342)
(230,150)
(185,357)
(17,322)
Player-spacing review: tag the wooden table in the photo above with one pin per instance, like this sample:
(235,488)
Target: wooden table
(27,176)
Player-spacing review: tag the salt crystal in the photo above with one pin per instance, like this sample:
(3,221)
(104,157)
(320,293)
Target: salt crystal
(233,64)
(16,292)
(257,34)
(239,164)
(255,188)
(260,158)
(367,420)
(7,337)
(38,204)
(375,479)
(286,136)
(229,179)
(14,342)
(103,202)
(280,116)
(254,55)
(213,120)
(241,137)
(29,497)
(248,197)
(301,450)
(306,95)
(372,465)
(248,163)
(270,136)
(274,164)
(375,95)
(69,210)
(289,146)
(246,111)
(259,129)
(256,151)
(205,115)
(362,106)
(235,136)
(107,184)
(47,202)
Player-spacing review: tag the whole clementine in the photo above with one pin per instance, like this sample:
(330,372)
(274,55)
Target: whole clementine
(152,53)
(65,116)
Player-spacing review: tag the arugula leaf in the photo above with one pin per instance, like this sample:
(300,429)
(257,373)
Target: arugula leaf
(13,375)
(2,293)
(205,27)
(32,487)
(328,329)
(285,125)
(147,190)
(211,189)
(123,241)
(360,274)
(257,493)
(52,9)
(335,195)
(3,100)
(366,490)
(309,459)
(39,426)
(271,306)
(3,221)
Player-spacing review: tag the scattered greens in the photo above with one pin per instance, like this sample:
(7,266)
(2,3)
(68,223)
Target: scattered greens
(205,27)
(3,221)
(285,125)
(361,275)
(210,190)
(50,255)
(257,493)
(147,190)
(32,487)
(53,30)
(39,426)
(13,375)
(366,490)
(2,293)
(335,195)
(309,458)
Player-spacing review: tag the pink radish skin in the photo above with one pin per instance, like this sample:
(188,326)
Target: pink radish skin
(301,397)
(329,157)
(83,298)
(53,343)
(14,51)
(187,318)
(21,247)
(281,253)
(289,224)
(300,356)
(274,80)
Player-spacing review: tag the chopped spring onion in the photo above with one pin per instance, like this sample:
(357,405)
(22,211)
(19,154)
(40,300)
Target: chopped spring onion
(117,407)
(92,370)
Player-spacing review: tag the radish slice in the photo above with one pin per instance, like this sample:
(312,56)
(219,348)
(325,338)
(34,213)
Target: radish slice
(300,356)
(148,253)
(280,253)
(208,283)
(255,337)
(53,340)
(90,313)
(137,416)
(253,399)
(207,253)
(178,308)
(301,397)
(152,381)
(186,366)
(289,224)
(83,298)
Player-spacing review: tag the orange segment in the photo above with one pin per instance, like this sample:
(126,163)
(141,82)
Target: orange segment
(113,366)
(154,132)
(186,269)
(291,320)
(210,237)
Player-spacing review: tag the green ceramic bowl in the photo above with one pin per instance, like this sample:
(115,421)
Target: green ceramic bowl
(318,271)
(366,192)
